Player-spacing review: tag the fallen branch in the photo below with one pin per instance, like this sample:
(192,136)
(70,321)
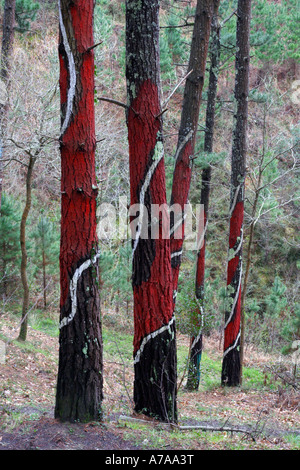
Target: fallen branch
(202,427)
(221,428)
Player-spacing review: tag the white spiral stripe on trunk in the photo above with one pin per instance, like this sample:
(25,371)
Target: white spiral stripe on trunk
(73,289)
(233,346)
(72,72)
(151,336)
(144,188)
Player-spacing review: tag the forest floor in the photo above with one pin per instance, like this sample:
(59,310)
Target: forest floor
(260,418)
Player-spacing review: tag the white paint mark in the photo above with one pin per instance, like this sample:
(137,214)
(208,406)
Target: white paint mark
(239,245)
(234,200)
(72,72)
(151,336)
(73,288)
(176,253)
(201,328)
(235,300)
(182,144)
(158,155)
(233,346)
(241,272)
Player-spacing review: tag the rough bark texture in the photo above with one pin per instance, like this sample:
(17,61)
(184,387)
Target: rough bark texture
(7,37)
(6,52)
(154,326)
(231,357)
(196,338)
(188,128)
(79,384)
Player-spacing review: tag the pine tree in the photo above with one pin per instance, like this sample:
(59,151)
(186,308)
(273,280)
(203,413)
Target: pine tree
(6,53)
(25,13)
(231,356)
(9,241)
(196,337)
(154,327)
(188,131)
(79,384)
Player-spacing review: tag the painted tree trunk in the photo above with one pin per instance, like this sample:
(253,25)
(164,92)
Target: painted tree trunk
(80,382)
(231,356)
(155,380)
(197,322)
(188,132)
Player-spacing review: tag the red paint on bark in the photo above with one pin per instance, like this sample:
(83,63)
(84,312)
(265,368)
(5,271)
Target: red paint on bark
(180,190)
(236,223)
(78,180)
(233,269)
(233,327)
(81,23)
(79,379)
(153,297)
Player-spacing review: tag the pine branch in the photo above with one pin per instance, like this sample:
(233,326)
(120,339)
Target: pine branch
(110,100)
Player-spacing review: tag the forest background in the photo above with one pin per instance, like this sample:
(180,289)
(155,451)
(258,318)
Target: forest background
(272,308)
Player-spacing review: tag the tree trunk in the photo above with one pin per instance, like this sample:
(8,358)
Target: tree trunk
(231,356)
(154,326)
(6,52)
(196,337)
(80,382)
(25,304)
(188,131)
(7,37)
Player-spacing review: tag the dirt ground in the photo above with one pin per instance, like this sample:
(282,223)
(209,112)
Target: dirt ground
(27,397)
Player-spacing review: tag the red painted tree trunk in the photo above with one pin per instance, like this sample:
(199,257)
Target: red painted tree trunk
(198,322)
(154,327)
(79,383)
(231,357)
(188,131)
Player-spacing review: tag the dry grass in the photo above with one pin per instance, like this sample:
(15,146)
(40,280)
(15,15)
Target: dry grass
(27,393)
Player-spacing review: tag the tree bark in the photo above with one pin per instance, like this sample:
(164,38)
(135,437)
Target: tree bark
(79,383)
(7,37)
(154,326)
(231,356)
(197,322)
(188,131)
(24,322)
(6,52)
